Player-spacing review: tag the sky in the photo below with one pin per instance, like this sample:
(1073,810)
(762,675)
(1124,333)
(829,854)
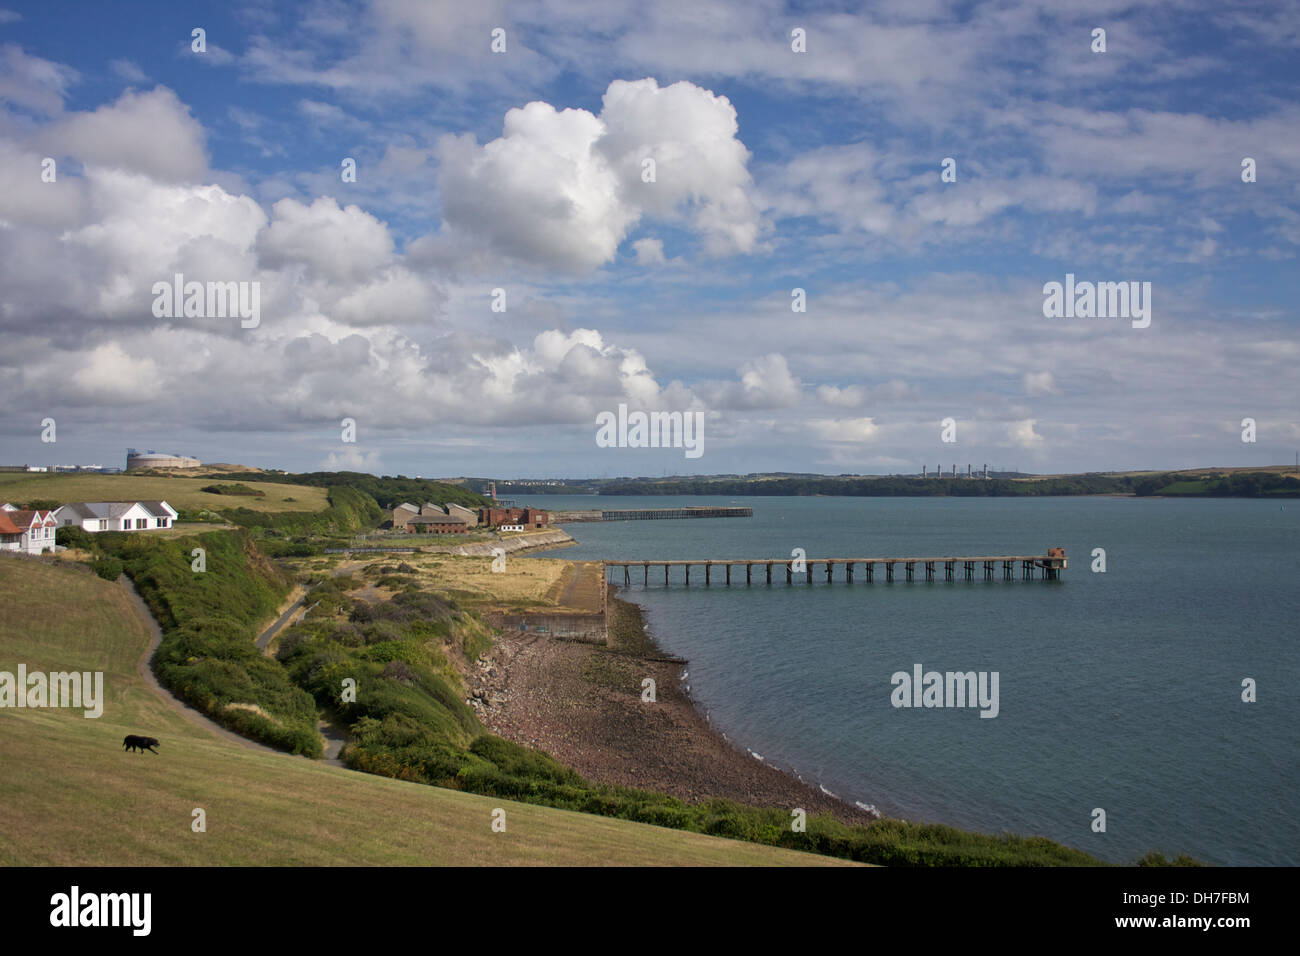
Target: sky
(562,207)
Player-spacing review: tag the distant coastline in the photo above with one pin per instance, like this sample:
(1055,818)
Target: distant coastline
(1271,482)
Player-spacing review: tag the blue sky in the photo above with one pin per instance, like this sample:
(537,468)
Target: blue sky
(775,170)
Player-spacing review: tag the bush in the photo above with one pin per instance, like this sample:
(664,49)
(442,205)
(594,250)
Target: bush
(380,631)
(108,568)
(349,511)
(289,549)
(235,489)
(73,537)
(207,656)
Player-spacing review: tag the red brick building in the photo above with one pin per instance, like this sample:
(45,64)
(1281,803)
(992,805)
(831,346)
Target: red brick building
(528,517)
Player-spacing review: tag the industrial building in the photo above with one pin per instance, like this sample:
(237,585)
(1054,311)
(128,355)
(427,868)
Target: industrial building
(528,517)
(430,519)
(141,460)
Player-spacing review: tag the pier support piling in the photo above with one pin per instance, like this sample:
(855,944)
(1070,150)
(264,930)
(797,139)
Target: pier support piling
(1052,565)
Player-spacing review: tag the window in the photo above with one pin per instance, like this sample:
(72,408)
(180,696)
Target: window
(141,523)
(103,524)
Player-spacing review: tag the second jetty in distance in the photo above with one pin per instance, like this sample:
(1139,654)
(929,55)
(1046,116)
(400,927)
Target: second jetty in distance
(650,514)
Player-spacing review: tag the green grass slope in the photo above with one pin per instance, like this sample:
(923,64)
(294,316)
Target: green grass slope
(183,494)
(71,796)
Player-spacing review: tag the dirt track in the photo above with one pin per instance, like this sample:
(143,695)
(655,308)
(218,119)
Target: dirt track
(195,716)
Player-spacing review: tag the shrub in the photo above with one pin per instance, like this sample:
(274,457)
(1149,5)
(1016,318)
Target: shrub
(235,489)
(209,621)
(108,568)
(74,537)
(380,631)
(287,549)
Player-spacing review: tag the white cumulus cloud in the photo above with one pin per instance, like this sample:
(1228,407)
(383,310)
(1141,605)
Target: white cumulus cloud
(562,188)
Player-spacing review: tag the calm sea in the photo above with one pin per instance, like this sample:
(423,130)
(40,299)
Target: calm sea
(1119,690)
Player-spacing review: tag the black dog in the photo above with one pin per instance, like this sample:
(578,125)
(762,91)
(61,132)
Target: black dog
(132,742)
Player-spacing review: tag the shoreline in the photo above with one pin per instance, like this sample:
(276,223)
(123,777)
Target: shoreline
(582,703)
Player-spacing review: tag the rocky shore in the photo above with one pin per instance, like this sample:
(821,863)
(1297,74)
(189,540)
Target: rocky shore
(583,704)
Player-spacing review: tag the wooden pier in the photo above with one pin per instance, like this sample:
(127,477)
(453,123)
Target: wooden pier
(1049,566)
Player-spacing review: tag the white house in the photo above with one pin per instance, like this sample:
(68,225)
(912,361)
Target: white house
(116,515)
(30,532)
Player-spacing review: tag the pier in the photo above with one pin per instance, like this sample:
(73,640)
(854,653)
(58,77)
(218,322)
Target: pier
(1047,566)
(650,514)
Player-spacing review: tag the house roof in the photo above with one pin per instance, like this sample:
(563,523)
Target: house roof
(115,509)
(22,519)
(82,509)
(7,525)
(408,506)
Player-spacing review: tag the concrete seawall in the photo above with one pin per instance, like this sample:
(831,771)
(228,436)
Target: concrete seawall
(513,544)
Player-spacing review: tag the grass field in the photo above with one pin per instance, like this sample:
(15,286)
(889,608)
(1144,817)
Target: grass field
(71,796)
(180,493)
(531,581)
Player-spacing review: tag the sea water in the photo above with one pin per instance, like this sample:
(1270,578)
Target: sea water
(1118,689)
